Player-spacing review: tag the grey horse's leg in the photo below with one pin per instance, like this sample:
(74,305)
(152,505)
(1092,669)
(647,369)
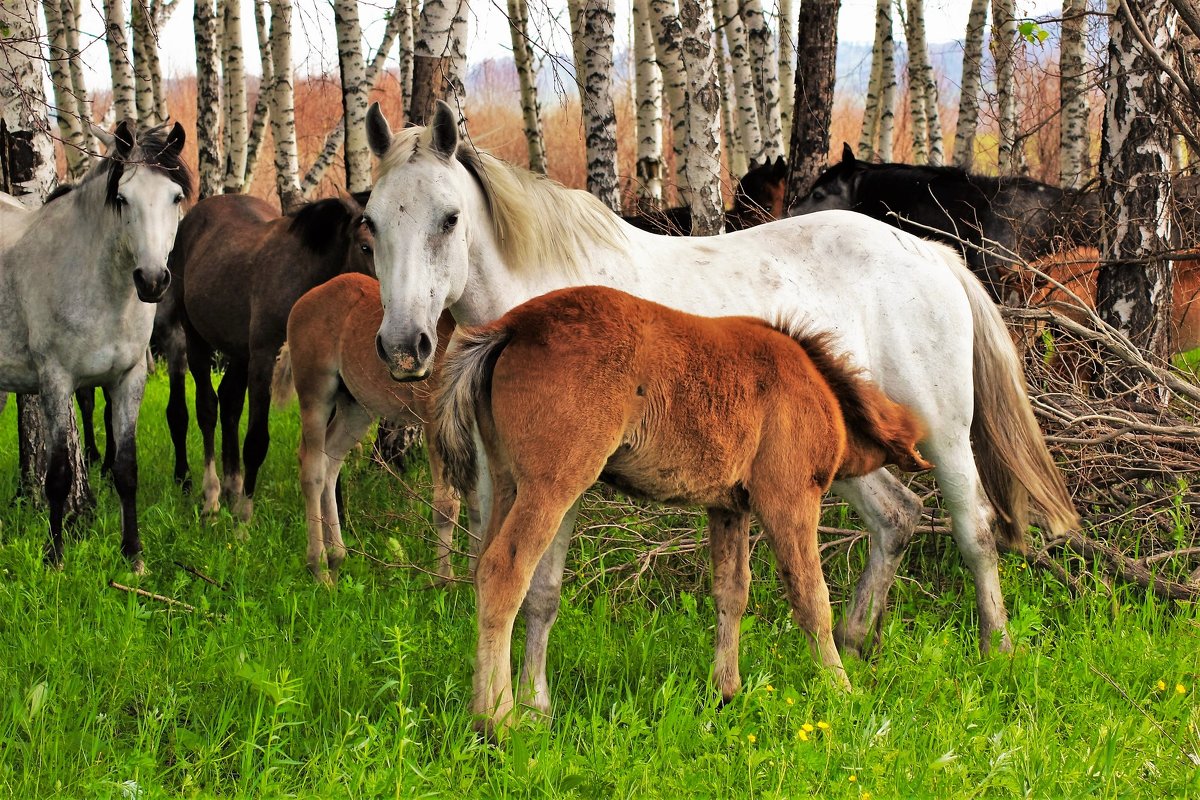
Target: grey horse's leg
(55,397)
(125,398)
(891,512)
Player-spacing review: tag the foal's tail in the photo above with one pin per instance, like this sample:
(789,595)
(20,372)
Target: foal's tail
(1016,468)
(466,384)
(283,388)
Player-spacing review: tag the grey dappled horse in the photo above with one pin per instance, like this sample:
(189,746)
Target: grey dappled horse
(78,280)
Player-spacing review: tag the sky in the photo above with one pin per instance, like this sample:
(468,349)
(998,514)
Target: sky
(314,49)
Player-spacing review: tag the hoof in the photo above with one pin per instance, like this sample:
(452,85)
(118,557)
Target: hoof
(138,566)
(243,508)
(242,533)
(211,508)
(184,483)
(328,579)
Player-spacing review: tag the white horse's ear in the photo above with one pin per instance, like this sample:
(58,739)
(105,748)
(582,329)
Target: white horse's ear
(445,129)
(176,138)
(105,138)
(379,133)
(124,137)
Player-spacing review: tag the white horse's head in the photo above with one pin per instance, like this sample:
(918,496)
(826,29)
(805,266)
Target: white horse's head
(419,214)
(147,183)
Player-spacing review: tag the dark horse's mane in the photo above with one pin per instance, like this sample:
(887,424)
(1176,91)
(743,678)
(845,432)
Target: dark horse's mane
(323,224)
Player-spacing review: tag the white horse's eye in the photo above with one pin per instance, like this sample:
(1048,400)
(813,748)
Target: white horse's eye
(178,199)
(450,222)
(121,200)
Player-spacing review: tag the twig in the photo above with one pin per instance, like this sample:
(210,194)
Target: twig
(151,595)
(202,576)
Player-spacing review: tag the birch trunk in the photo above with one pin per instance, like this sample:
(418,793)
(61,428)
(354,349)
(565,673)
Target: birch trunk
(266,89)
(922,85)
(283,108)
(66,109)
(972,83)
(1074,142)
(531,113)
(459,31)
(599,113)
(402,18)
(887,91)
(916,98)
(816,45)
(357,155)
(27,172)
(143,44)
(648,98)
(872,107)
(154,63)
(1004,36)
(1133,292)
(83,106)
(703,149)
(787,68)
(668,39)
(433,57)
(208,99)
(238,140)
(124,105)
(764,58)
(735,153)
(745,105)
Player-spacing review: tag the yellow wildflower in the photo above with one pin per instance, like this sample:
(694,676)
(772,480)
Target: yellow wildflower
(823,725)
(808,728)
(791,702)
(751,738)
(1162,685)
(853,778)
(802,735)
(865,796)
(770,688)
(1180,688)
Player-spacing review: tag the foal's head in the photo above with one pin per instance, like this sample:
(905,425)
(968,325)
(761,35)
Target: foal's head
(146,183)
(334,230)
(759,195)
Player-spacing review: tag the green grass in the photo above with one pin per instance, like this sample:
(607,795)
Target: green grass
(277,687)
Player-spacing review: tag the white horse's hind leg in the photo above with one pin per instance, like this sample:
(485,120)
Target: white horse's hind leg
(971,517)
(890,511)
(541,610)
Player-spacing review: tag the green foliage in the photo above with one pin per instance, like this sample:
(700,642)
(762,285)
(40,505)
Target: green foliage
(277,687)
(1032,32)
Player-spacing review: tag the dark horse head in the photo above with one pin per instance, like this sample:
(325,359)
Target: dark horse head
(992,220)
(334,230)
(759,195)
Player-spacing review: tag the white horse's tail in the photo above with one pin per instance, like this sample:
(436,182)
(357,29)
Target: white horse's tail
(1016,468)
(283,388)
(465,389)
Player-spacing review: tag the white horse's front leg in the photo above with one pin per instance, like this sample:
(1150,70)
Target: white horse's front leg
(125,395)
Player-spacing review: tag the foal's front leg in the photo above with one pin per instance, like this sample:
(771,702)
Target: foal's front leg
(729,544)
(126,400)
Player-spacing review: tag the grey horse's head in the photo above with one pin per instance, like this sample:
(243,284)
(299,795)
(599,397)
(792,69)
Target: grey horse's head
(834,188)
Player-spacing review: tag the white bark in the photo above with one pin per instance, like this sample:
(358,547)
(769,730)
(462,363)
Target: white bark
(599,113)
(916,95)
(972,81)
(703,103)
(648,98)
(873,107)
(66,109)
(735,153)
(145,50)
(1004,43)
(25,141)
(887,91)
(208,99)
(83,106)
(1073,100)
(787,66)
(354,95)
(402,19)
(266,89)
(459,31)
(765,60)
(283,108)
(668,40)
(236,122)
(435,74)
(124,105)
(531,113)
(154,64)
(921,80)
(746,106)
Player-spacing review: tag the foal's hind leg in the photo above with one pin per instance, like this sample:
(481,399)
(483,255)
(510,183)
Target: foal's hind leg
(790,521)
(890,511)
(232,396)
(349,425)
(446,506)
(729,546)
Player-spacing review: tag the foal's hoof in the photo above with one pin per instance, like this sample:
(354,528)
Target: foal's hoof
(243,508)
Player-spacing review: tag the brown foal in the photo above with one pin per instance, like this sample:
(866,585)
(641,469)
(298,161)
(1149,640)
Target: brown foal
(730,414)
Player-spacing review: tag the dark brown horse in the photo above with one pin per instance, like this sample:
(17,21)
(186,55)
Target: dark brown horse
(589,384)
(758,198)
(239,267)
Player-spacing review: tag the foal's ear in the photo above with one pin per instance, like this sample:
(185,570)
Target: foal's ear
(379,133)
(175,139)
(124,138)
(847,153)
(779,168)
(445,130)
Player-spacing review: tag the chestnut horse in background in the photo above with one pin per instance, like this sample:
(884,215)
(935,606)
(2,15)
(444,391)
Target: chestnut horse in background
(1078,271)
(590,383)
(342,385)
(239,267)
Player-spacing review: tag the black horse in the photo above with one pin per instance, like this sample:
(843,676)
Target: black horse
(758,198)
(989,218)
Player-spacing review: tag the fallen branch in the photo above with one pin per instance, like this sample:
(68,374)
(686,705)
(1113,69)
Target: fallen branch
(152,596)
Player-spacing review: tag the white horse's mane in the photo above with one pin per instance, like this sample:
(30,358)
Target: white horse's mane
(539,224)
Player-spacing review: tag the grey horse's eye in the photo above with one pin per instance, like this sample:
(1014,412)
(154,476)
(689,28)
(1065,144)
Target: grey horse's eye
(449,223)
(121,200)
(178,199)
(818,195)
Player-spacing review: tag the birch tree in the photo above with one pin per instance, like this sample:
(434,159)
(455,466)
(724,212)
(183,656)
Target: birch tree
(208,99)
(765,60)
(887,90)
(599,114)
(83,105)
(648,98)
(404,20)
(158,15)
(668,41)
(873,107)
(922,89)
(816,48)
(144,44)
(745,103)
(1133,292)
(66,109)
(27,172)
(972,84)
(787,66)
(433,57)
(735,153)
(357,155)
(1004,36)
(237,139)
(283,108)
(531,113)
(266,90)
(124,104)
(1073,101)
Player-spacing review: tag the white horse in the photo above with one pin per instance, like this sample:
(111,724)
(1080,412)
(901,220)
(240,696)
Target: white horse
(78,278)
(457,228)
